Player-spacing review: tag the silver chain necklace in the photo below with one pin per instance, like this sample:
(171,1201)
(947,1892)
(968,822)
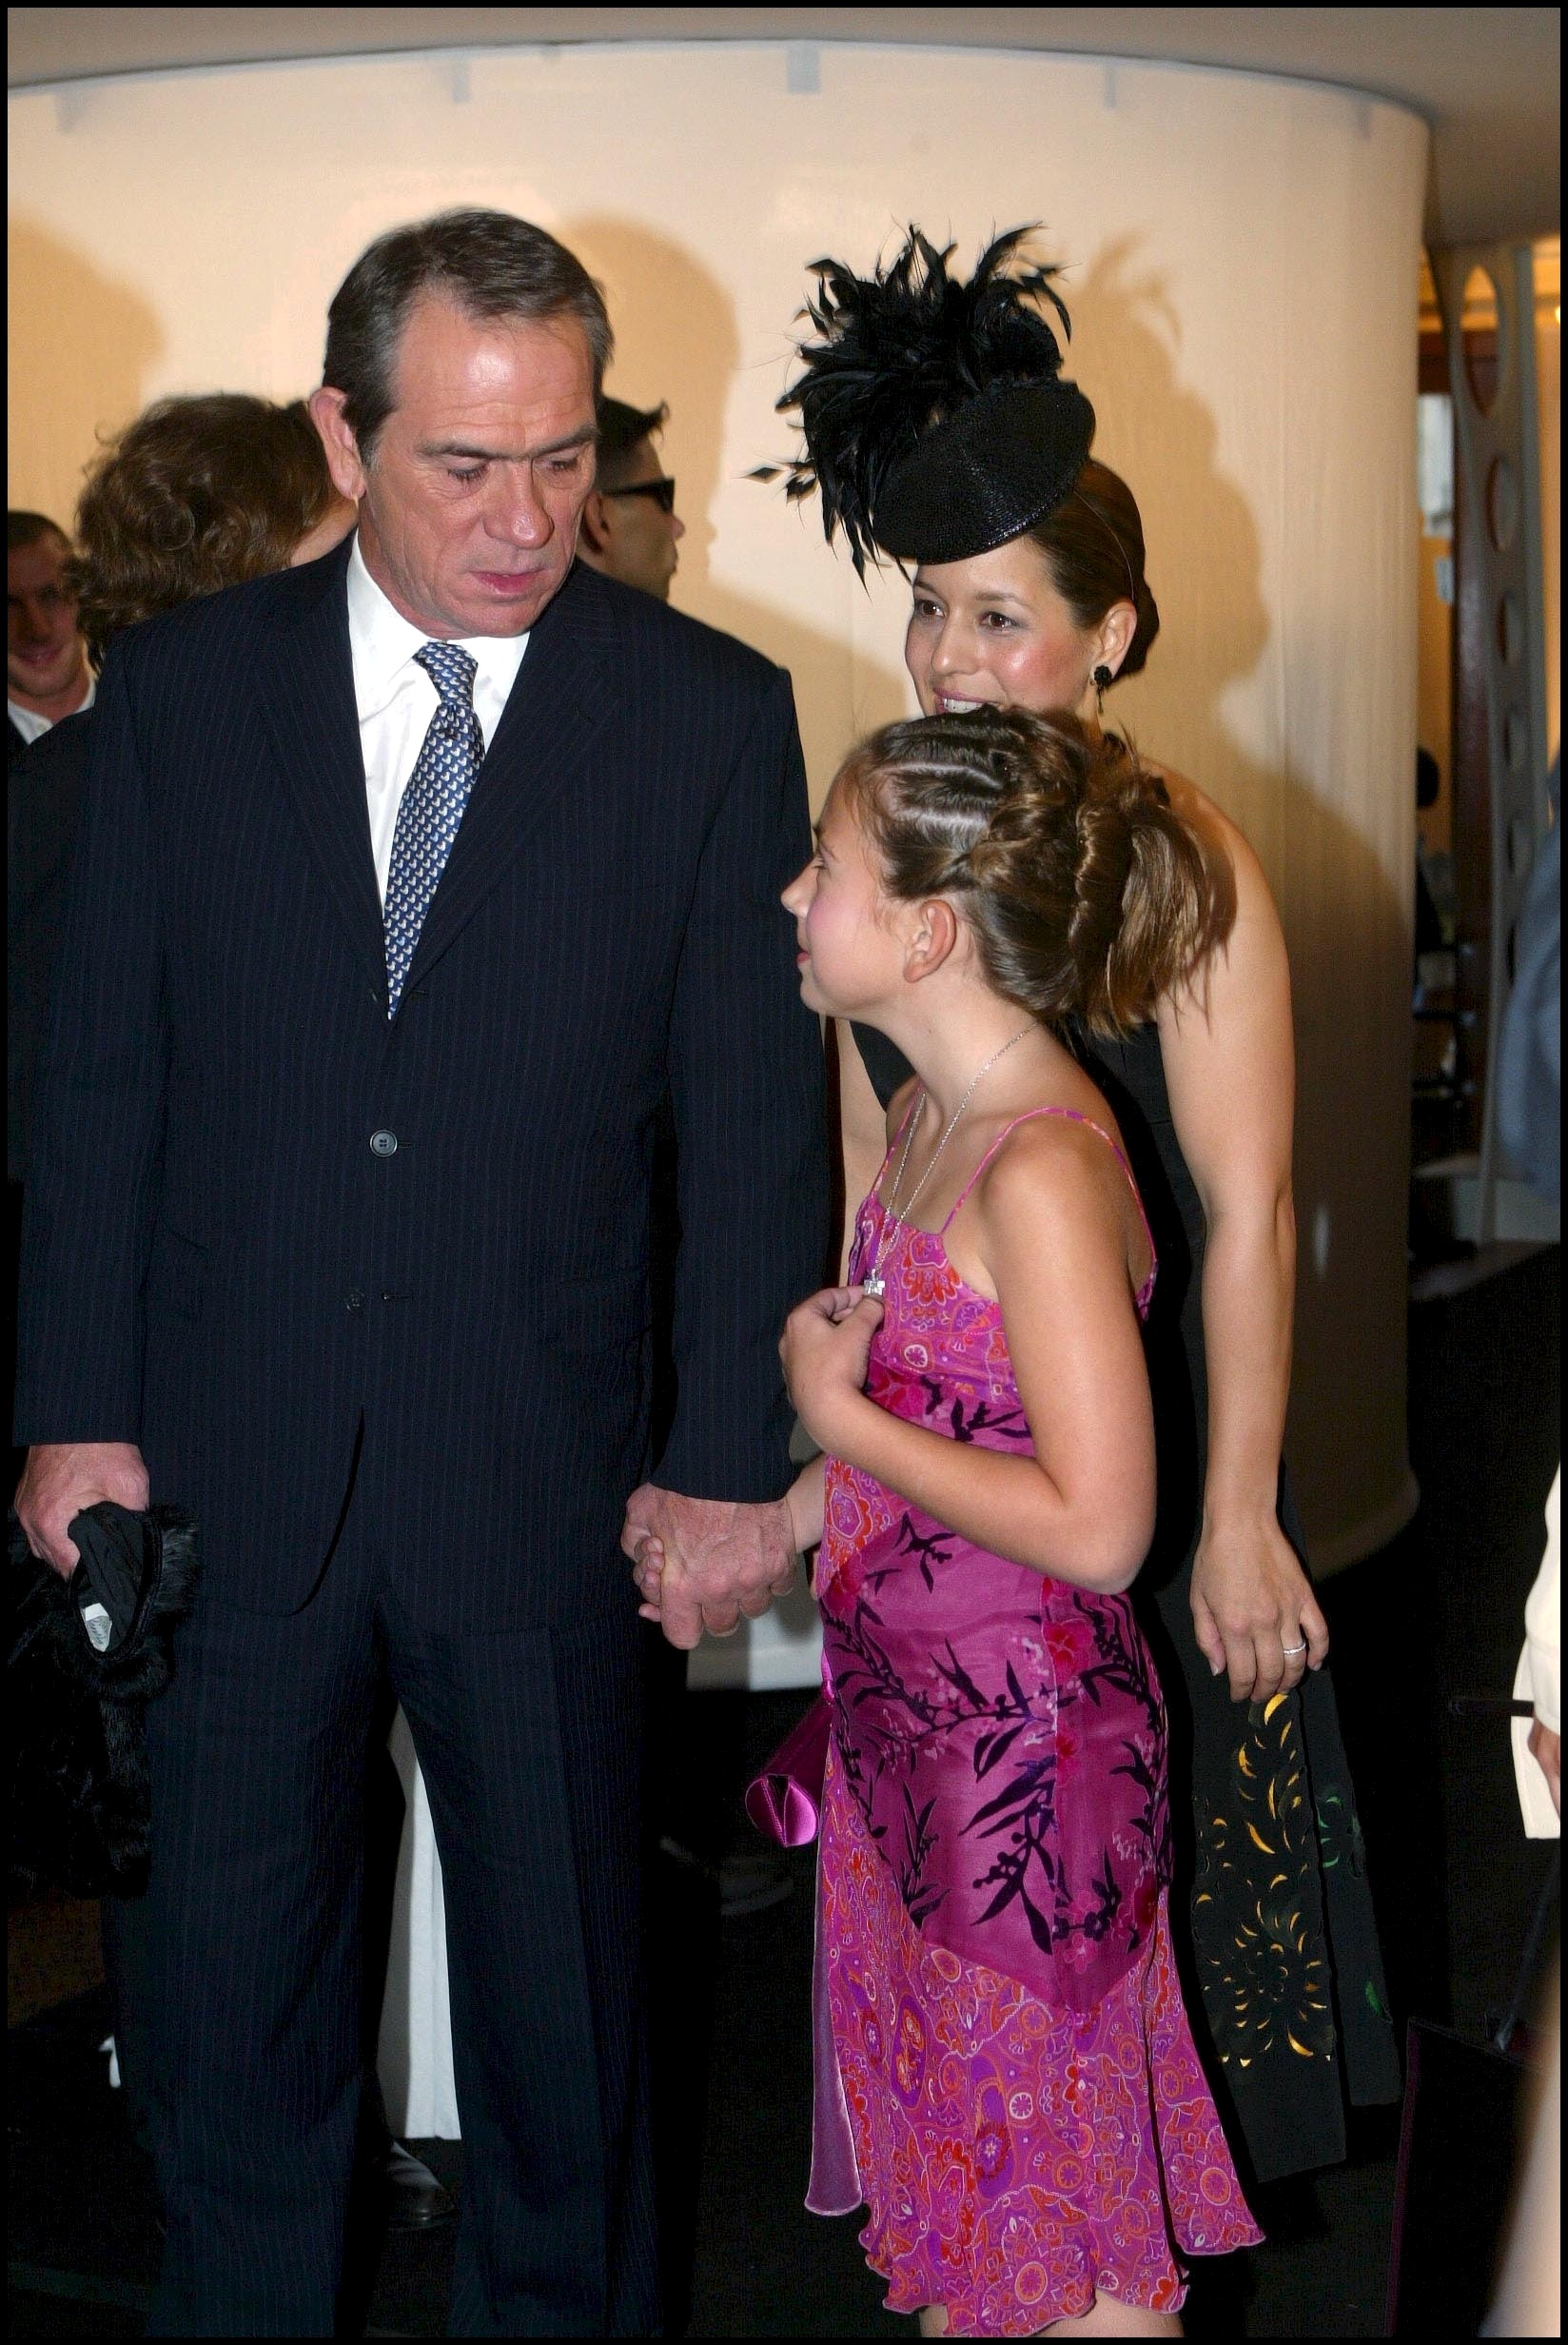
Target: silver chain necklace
(873,1284)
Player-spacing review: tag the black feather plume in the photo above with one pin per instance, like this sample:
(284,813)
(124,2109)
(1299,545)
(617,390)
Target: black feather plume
(899,351)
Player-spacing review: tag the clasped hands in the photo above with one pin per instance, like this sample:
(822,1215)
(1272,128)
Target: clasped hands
(704,1562)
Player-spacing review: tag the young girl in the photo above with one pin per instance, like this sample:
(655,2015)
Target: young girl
(1006,2074)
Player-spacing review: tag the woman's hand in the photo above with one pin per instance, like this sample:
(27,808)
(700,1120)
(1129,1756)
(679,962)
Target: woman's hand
(826,1349)
(1251,1601)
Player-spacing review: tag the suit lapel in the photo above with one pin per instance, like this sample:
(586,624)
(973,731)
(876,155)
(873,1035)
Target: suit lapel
(307,703)
(542,747)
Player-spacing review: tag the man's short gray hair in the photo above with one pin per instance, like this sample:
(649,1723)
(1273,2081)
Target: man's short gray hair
(489,263)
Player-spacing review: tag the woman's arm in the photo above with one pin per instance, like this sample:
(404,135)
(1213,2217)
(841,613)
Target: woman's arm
(863,1133)
(1230,1062)
(1081,1507)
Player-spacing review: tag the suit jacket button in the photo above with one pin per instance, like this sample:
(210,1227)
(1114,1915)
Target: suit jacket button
(354,1300)
(384,1144)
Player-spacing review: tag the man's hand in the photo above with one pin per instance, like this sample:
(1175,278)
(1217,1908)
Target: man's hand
(826,1349)
(1250,1601)
(61,1479)
(702,1562)
(1546,1750)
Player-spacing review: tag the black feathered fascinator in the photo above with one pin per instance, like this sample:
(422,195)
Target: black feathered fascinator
(935,419)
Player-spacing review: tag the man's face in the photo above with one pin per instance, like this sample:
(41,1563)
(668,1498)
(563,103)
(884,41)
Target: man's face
(44,657)
(470,505)
(632,537)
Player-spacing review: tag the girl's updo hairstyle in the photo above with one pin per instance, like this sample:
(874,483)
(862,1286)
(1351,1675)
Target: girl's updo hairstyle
(1087,895)
(1093,544)
(198,493)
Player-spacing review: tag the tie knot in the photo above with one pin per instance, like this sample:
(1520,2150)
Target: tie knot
(452,671)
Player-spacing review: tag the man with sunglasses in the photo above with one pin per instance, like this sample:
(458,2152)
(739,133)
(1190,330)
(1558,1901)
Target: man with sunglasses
(630,526)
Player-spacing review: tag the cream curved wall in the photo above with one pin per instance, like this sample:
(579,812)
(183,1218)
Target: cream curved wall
(1243,261)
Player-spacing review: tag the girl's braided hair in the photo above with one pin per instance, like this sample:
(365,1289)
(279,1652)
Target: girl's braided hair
(1087,896)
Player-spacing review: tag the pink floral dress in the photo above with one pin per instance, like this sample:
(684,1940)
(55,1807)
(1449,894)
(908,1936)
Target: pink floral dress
(1006,2076)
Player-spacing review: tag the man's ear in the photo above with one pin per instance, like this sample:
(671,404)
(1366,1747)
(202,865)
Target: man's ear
(596,522)
(932,938)
(337,438)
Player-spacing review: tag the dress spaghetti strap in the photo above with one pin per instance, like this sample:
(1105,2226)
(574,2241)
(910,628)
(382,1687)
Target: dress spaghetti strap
(1075,1115)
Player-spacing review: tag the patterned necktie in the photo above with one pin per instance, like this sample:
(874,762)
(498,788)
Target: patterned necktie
(432,806)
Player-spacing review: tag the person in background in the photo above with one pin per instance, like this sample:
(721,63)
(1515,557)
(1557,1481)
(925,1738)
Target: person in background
(197,494)
(46,678)
(1538,1739)
(194,495)
(47,672)
(630,527)
(1530,1122)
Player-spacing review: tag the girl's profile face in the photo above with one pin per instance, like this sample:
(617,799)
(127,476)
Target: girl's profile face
(848,956)
(994,630)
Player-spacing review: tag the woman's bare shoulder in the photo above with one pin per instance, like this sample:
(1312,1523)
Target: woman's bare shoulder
(1199,810)
(1194,805)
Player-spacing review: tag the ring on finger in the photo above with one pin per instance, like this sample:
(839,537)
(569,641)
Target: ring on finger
(1293,1652)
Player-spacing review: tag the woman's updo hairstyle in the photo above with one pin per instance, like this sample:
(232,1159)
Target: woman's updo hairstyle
(1093,542)
(1087,895)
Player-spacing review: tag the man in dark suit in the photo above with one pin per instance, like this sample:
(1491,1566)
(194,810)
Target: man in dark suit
(409,883)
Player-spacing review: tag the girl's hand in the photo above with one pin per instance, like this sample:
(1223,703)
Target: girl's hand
(826,1349)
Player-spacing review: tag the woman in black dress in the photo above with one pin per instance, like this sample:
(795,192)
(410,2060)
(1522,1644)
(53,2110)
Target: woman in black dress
(938,430)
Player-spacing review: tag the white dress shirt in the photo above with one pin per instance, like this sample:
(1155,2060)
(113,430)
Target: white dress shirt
(396,700)
(32,727)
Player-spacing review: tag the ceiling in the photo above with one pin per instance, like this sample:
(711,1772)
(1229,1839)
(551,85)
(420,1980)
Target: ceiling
(1485,78)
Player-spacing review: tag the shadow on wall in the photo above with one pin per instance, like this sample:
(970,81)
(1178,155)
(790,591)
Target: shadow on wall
(676,338)
(1347,932)
(84,382)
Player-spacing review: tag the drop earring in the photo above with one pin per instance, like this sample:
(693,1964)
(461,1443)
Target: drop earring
(1101,682)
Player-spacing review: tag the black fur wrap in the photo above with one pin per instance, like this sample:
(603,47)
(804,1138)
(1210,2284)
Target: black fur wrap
(81,1805)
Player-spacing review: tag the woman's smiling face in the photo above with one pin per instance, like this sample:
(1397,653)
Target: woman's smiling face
(994,629)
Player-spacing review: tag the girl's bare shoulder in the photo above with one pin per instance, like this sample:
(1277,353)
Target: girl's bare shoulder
(1063,1165)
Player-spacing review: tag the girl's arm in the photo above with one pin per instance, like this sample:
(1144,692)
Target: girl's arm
(806,1498)
(1051,1234)
(1230,1062)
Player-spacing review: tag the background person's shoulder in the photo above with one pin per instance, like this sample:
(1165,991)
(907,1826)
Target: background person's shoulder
(657,637)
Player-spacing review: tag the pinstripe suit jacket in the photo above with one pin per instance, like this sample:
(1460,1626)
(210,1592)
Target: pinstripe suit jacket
(219,1266)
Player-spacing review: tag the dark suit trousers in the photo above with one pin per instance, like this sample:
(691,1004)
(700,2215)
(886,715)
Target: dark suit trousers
(529,1743)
